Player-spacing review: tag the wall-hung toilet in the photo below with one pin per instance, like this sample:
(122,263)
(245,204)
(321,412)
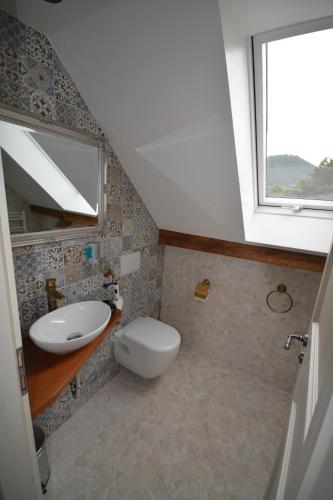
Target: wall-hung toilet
(147,347)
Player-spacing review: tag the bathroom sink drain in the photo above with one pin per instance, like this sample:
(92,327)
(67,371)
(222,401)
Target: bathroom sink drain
(74,336)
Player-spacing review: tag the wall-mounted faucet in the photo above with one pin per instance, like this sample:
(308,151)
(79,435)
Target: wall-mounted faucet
(301,338)
(52,294)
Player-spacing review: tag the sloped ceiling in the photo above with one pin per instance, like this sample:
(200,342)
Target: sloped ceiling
(153,73)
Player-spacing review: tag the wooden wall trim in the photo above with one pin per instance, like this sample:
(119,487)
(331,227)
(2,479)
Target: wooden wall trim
(65,216)
(243,251)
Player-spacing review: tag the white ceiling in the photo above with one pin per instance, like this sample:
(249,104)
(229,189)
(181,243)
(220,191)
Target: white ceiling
(153,73)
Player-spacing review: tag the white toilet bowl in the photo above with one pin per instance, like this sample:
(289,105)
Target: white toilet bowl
(147,347)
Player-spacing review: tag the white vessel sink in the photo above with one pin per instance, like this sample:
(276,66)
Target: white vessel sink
(71,327)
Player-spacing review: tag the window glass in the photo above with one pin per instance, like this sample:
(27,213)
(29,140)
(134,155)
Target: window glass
(299,117)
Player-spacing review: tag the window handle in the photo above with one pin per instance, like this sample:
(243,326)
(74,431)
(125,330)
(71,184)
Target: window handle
(296,209)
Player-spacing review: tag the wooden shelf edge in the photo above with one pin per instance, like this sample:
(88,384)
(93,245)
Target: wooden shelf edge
(269,255)
(48,374)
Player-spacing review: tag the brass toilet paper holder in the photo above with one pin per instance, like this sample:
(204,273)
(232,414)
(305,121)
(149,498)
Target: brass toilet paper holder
(202,289)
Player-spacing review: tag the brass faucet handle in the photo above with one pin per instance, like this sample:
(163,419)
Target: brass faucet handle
(50,283)
(108,272)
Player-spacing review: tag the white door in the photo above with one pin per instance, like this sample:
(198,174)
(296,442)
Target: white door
(305,469)
(19,478)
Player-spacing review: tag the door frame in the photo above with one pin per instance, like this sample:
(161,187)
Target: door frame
(314,466)
(19,474)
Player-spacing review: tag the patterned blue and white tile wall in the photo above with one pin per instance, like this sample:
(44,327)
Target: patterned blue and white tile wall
(32,78)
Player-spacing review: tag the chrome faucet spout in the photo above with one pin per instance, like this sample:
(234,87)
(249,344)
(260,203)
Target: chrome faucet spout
(301,338)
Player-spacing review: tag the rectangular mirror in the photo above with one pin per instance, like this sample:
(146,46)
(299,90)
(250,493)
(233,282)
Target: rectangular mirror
(53,178)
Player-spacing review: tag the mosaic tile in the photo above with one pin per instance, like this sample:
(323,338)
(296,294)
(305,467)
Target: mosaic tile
(150,250)
(129,189)
(14,94)
(72,254)
(114,160)
(154,309)
(147,237)
(99,130)
(41,104)
(137,241)
(73,293)
(80,102)
(64,89)
(128,211)
(110,247)
(86,121)
(73,273)
(30,285)
(159,282)
(44,420)
(138,211)
(62,401)
(12,65)
(116,245)
(128,227)
(12,32)
(29,261)
(151,286)
(65,114)
(93,385)
(115,195)
(125,285)
(137,280)
(116,221)
(117,174)
(39,47)
(91,284)
(39,77)
(31,309)
(116,228)
(116,210)
(52,258)
(33,78)
(58,65)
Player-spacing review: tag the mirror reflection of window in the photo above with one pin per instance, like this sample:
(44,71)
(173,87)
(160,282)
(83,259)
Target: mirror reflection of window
(51,182)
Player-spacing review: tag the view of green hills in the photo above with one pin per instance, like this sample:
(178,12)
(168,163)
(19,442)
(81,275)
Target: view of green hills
(289,176)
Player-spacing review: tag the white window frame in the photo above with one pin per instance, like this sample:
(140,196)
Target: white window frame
(295,205)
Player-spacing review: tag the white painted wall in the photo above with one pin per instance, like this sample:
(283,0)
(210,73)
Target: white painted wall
(240,20)
(153,73)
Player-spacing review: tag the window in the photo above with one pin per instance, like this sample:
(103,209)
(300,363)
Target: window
(293,75)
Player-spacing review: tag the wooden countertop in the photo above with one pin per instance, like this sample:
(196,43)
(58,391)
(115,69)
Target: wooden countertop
(48,374)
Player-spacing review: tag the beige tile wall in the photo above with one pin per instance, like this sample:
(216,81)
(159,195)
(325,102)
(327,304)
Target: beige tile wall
(235,327)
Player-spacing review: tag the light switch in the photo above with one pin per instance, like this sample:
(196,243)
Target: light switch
(129,263)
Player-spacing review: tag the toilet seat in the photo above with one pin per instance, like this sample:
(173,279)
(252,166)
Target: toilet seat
(152,334)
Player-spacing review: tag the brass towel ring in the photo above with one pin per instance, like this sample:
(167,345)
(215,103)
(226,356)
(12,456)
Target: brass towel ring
(280,289)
